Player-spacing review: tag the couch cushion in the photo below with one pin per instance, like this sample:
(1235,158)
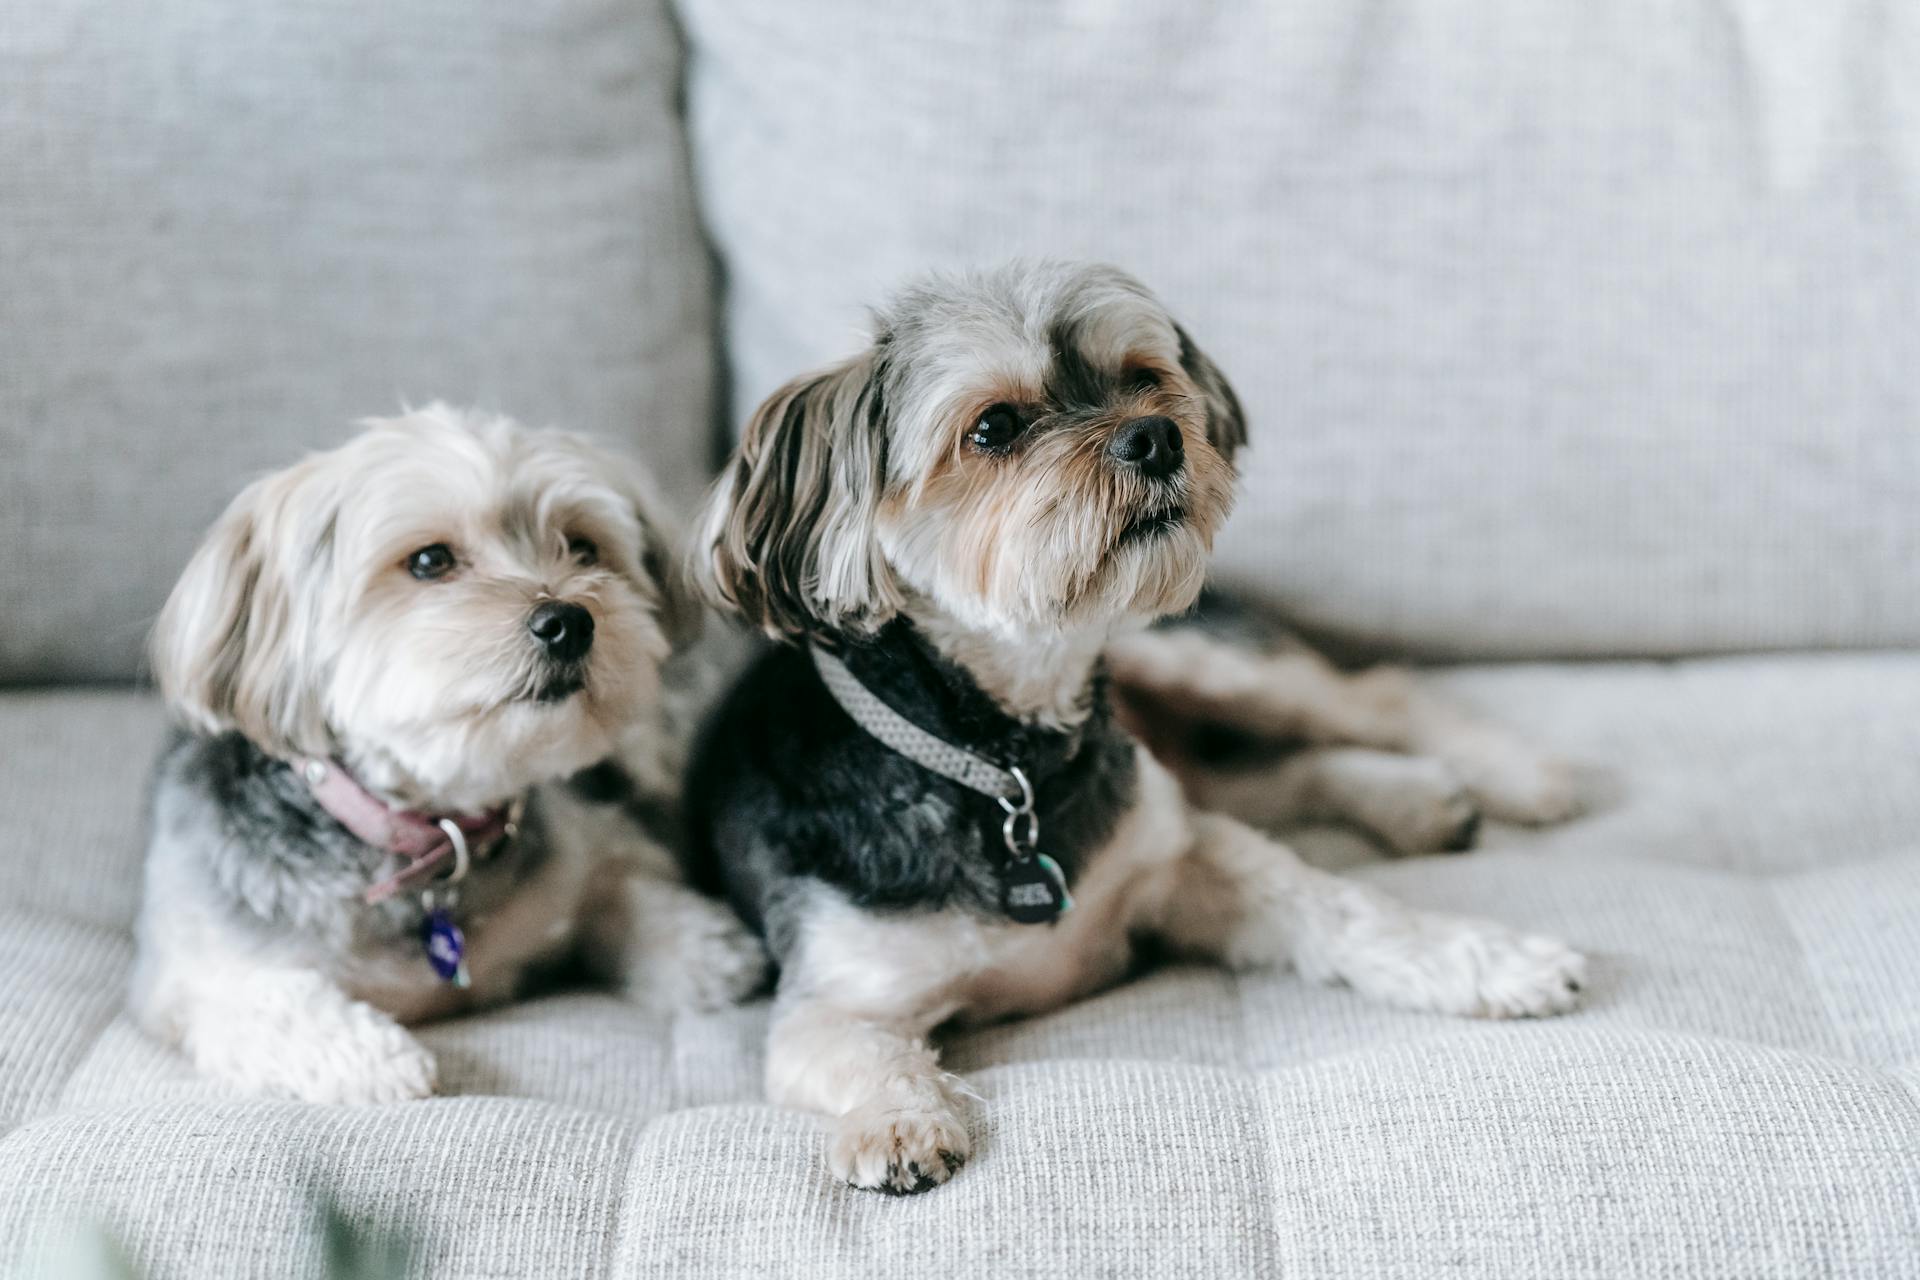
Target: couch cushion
(1564,328)
(228,229)
(1741,1095)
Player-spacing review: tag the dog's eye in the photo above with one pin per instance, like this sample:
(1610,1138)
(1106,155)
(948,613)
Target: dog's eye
(583,550)
(998,428)
(1142,378)
(431,562)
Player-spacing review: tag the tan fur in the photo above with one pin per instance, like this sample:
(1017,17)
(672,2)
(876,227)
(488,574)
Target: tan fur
(1009,558)
(1297,695)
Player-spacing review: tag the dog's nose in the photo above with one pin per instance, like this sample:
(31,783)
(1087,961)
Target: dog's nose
(565,631)
(1151,445)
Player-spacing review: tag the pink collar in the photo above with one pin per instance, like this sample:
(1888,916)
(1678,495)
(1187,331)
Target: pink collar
(425,840)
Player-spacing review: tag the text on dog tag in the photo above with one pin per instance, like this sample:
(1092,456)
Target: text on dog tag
(1034,890)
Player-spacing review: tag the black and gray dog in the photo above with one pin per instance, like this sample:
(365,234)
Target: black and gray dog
(926,799)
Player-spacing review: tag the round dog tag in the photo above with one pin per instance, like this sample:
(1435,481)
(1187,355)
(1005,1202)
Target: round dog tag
(445,945)
(1034,890)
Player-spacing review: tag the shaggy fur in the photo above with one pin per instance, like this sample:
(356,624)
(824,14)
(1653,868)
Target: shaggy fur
(1024,469)
(301,630)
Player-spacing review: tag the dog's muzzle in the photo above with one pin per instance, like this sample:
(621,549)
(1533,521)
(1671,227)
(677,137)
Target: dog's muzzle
(1150,446)
(564,632)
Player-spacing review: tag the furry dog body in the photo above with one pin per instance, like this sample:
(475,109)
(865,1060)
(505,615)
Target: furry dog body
(439,620)
(1024,470)
(876,828)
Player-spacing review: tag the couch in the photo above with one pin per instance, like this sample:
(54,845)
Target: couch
(1579,343)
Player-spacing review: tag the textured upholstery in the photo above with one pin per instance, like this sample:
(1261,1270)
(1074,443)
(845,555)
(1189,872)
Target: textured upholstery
(1567,329)
(1564,328)
(228,229)
(1740,1098)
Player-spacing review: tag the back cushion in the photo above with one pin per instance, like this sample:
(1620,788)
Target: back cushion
(227,228)
(1563,328)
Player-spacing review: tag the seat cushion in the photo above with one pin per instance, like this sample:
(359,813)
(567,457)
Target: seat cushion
(228,230)
(1739,1096)
(1563,328)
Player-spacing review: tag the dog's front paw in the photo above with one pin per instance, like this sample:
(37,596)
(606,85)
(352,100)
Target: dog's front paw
(1480,969)
(386,1066)
(897,1150)
(299,1037)
(725,965)
(696,958)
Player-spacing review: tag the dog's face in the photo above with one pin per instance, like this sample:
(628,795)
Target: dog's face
(458,606)
(1031,451)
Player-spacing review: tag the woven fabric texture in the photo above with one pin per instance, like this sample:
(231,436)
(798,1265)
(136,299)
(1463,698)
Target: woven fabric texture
(228,230)
(1740,1098)
(871,712)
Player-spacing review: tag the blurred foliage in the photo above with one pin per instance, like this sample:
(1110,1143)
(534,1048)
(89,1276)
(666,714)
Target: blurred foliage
(348,1253)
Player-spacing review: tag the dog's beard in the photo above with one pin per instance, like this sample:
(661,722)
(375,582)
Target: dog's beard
(451,700)
(1048,548)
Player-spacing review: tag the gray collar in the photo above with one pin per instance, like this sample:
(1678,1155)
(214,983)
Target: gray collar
(957,764)
(1008,786)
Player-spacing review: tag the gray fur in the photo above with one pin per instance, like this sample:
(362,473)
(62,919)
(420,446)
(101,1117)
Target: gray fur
(789,538)
(238,837)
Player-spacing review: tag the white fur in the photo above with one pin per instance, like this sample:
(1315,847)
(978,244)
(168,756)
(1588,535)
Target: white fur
(862,993)
(298,626)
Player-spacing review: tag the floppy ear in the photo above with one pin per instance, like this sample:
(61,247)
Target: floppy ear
(230,649)
(1226,423)
(787,535)
(660,559)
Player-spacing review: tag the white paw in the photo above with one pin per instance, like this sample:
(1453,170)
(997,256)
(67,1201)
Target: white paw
(707,960)
(897,1150)
(308,1042)
(1440,963)
(725,966)
(1478,969)
(389,1066)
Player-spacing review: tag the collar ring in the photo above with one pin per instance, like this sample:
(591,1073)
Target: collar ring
(462,857)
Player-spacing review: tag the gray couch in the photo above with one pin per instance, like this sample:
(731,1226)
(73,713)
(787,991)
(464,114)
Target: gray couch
(1568,332)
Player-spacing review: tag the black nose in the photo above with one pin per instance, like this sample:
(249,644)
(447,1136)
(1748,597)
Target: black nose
(565,631)
(1152,445)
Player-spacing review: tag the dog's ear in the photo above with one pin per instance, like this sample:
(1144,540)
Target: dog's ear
(1226,422)
(681,608)
(230,649)
(787,535)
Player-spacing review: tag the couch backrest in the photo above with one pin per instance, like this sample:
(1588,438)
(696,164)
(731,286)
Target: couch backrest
(1566,328)
(227,228)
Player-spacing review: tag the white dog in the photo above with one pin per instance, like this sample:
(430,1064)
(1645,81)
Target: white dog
(386,658)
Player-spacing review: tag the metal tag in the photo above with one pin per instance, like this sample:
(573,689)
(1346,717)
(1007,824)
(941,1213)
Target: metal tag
(1034,890)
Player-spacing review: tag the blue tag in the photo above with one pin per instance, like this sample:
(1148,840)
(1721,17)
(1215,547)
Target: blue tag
(445,945)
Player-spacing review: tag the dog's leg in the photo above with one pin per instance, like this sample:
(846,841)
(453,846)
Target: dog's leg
(1512,779)
(294,1033)
(1297,694)
(1413,804)
(1245,899)
(1291,694)
(894,1114)
(667,947)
